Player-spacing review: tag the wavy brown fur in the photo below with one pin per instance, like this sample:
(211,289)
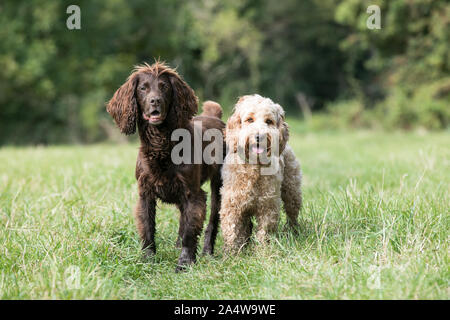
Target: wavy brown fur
(246,192)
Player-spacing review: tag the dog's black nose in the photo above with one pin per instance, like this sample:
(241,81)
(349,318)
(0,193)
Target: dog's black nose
(155,101)
(260,137)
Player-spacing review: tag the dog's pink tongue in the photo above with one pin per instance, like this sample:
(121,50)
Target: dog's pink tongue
(257,150)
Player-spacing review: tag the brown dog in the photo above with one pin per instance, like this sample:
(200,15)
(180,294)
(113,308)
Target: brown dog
(158,101)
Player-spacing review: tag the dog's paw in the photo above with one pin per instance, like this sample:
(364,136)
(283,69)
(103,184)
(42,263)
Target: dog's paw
(294,228)
(180,268)
(149,253)
(186,259)
(208,250)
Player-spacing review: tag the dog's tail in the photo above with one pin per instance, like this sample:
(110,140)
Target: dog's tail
(212,109)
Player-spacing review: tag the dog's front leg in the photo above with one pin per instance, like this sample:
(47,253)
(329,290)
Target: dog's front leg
(267,218)
(193,212)
(145,213)
(180,231)
(236,227)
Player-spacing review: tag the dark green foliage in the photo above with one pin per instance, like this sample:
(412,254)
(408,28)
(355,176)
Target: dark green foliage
(54,82)
(407,62)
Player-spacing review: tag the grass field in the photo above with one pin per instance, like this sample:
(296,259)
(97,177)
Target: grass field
(375,225)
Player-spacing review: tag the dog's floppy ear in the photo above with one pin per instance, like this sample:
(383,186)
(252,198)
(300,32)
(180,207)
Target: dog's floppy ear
(234,122)
(283,129)
(185,101)
(284,135)
(231,136)
(123,106)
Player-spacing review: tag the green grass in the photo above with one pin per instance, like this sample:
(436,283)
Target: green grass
(375,225)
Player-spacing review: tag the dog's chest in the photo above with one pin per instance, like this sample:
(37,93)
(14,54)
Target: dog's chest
(170,193)
(168,187)
(250,185)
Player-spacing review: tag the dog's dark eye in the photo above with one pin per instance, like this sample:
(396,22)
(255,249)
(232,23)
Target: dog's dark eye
(142,88)
(162,86)
(269,122)
(249,120)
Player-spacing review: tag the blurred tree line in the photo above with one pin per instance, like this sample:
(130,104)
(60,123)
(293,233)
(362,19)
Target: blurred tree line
(309,55)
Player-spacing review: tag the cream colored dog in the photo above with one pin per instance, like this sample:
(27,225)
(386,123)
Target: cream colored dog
(260,169)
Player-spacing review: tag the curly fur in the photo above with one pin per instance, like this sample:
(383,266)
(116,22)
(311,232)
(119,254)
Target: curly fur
(158,177)
(246,192)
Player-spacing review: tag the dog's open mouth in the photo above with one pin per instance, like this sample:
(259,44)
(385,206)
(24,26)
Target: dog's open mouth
(260,149)
(155,117)
(257,149)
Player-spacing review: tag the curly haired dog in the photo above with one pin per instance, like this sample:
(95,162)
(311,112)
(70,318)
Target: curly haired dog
(158,101)
(256,129)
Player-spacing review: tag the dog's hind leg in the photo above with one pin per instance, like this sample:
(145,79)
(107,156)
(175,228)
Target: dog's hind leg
(213,225)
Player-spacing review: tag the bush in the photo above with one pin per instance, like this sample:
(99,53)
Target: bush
(426,107)
(344,114)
